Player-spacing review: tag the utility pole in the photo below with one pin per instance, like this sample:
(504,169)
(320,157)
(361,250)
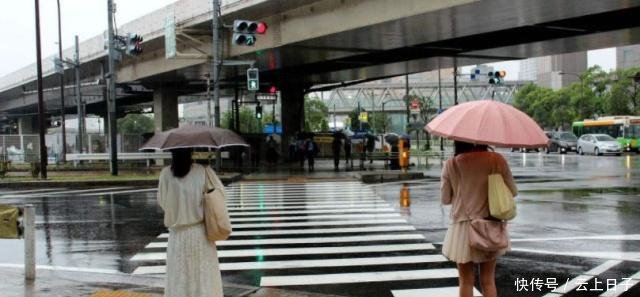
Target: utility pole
(440,101)
(41,126)
(406,96)
(217,62)
(79,100)
(208,77)
(455,81)
(111,90)
(62,109)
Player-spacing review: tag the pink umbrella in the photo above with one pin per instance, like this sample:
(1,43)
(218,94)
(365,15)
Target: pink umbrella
(488,122)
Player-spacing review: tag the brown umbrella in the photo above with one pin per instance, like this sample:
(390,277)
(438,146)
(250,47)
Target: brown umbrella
(194,137)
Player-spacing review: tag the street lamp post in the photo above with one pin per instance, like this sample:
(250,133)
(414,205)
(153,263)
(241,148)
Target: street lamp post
(62,109)
(582,93)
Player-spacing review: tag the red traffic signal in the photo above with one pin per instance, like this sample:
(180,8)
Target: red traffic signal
(273,89)
(261,28)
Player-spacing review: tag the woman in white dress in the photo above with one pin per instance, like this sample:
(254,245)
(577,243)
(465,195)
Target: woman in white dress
(192,261)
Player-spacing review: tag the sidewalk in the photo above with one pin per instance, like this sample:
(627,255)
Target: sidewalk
(58,283)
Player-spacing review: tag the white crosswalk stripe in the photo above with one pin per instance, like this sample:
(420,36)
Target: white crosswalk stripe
(315,234)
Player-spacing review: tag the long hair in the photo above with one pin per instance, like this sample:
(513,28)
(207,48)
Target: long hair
(181,161)
(461,147)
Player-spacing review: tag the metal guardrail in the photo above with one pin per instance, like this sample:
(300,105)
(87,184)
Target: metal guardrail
(121,156)
(28,226)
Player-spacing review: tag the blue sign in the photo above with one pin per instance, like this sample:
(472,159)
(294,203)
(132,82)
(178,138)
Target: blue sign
(268,129)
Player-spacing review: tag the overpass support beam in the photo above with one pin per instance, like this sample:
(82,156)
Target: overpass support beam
(292,111)
(165,108)
(28,125)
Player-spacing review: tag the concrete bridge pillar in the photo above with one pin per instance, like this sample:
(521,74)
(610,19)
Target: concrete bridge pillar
(165,108)
(292,111)
(28,125)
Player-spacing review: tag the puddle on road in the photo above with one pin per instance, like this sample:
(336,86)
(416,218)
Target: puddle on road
(587,193)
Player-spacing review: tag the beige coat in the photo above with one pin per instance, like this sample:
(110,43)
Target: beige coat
(464,184)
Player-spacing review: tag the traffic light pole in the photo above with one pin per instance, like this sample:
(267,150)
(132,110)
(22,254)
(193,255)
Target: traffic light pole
(217,63)
(41,126)
(79,100)
(62,109)
(111,90)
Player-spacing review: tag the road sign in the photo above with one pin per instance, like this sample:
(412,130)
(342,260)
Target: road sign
(414,107)
(170,37)
(267,98)
(363,117)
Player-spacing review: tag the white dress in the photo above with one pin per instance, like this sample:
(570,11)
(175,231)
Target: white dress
(192,261)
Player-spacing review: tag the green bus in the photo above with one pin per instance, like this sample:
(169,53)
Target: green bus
(626,129)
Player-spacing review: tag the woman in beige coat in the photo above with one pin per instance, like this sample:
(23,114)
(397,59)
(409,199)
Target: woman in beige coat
(192,261)
(464,186)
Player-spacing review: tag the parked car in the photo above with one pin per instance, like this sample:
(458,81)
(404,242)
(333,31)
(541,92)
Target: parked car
(598,144)
(562,142)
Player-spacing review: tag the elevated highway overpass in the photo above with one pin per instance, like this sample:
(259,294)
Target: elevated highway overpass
(313,42)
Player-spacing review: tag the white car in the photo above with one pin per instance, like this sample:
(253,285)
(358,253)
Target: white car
(598,144)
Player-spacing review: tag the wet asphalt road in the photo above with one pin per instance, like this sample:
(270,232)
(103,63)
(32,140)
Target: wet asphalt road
(575,213)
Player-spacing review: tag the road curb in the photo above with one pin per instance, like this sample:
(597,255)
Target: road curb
(225,178)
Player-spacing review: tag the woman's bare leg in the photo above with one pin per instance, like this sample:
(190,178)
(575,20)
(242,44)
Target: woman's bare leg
(466,279)
(488,278)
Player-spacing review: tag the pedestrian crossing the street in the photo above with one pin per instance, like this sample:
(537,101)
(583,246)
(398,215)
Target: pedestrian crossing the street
(330,237)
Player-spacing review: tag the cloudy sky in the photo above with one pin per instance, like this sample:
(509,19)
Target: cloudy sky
(87,18)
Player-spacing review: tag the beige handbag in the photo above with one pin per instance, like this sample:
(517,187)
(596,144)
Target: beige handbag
(502,206)
(216,216)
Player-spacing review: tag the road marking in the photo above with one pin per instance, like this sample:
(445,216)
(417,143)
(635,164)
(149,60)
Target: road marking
(305,240)
(600,237)
(346,278)
(236,213)
(314,196)
(122,192)
(28,191)
(317,231)
(302,206)
(575,282)
(626,256)
(293,264)
(314,192)
(258,252)
(321,223)
(432,292)
(66,192)
(317,217)
(65,268)
(304,202)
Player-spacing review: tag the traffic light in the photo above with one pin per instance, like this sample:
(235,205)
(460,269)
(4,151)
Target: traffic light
(474,74)
(253,79)
(134,44)
(244,32)
(496,77)
(259,111)
(273,90)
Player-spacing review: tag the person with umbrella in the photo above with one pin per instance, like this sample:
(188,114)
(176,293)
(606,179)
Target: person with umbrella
(464,183)
(336,146)
(192,263)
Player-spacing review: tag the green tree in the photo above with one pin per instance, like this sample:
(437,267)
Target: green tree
(315,115)
(624,94)
(248,121)
(380,121)
(135,124)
